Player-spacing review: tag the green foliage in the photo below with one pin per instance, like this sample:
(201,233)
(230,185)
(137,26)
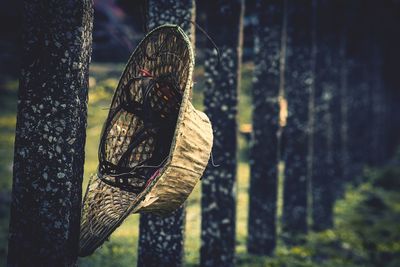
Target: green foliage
(366,232)
(369,216)
(367,229)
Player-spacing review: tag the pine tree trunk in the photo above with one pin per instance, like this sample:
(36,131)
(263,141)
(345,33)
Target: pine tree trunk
(298,86)
(224,25)
(264,146)
(161,238)
(50,133)
(326,170)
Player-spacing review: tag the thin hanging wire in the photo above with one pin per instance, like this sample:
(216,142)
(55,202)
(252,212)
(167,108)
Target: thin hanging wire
(212,161)
(210,39)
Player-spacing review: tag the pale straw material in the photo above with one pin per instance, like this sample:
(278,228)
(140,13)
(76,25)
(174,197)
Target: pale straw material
(106,206)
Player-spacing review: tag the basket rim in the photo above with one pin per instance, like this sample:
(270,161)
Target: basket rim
(185,105)
(182,110)
(186,93)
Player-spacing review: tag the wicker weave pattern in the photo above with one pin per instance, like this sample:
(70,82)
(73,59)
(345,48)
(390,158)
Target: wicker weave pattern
(189,158)
(164,50)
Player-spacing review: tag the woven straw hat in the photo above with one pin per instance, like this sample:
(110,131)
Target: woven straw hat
(154,146)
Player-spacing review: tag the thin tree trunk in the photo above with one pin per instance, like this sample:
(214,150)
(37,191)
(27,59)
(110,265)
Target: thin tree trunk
(344,152)
(358,98)
(50,133)
(391,55)
(326,168)
(299,86)
(218,185)
(378,154)
(264,146)
(161,238)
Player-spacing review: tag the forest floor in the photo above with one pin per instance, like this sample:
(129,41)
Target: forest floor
(344,245)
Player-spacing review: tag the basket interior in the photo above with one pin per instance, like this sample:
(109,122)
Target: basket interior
(163,59)
(146,118)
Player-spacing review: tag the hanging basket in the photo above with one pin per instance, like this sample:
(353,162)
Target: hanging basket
(154,146)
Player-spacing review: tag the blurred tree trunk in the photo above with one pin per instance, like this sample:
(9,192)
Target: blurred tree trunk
(50,133)
(299,86)
(344,152)
(378,154)
(161,238)
(224,24)
(326,167)
(358,89)
(371,76)
(264,146)
(391,56)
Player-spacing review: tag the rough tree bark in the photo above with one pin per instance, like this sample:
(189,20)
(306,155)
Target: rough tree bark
(50,133)
(161,239)
(298,89)
(224,24)
(326,165)
(264,145)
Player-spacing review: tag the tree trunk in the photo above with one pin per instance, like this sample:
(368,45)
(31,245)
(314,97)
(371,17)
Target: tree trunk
(224,24)
(379,98)
(326,169)
(358,89)
(264,146)
(344,110)
(50,133)
(391,55)
(161,239)
(299,86)
(378,154)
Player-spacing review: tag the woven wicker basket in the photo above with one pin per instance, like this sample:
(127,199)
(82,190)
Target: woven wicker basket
(108,200)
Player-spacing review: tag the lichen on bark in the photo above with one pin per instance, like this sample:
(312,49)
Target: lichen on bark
(220,101)
(264,143)
(299,79)
(50,133)
(161,239)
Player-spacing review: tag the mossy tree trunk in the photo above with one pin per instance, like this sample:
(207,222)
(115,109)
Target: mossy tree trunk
(298,89)
(326,165)
(264,145)
(50,133)
(161,239)
(224,25)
